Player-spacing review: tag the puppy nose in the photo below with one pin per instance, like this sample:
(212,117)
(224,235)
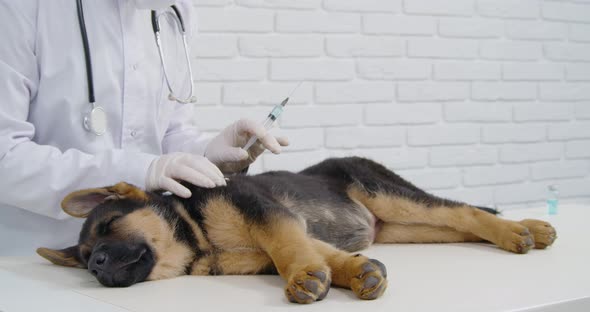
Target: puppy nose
(98,262)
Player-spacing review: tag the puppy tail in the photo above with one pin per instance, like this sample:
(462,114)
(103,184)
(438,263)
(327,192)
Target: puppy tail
(490,210)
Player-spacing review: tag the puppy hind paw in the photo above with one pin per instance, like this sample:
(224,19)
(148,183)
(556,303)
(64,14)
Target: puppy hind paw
(517,239)
(543,233)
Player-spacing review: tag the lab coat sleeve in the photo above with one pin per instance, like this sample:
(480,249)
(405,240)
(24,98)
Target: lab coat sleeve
(182,134)
(32,176)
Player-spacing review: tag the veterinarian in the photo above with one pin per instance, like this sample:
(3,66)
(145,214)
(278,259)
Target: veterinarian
(88,100)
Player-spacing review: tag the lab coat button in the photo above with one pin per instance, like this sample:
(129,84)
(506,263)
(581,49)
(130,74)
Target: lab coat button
(135,66)
(133,133)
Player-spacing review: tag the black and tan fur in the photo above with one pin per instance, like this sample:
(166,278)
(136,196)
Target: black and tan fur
(305,226)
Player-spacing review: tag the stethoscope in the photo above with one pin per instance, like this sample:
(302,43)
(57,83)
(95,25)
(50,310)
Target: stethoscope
(96,120)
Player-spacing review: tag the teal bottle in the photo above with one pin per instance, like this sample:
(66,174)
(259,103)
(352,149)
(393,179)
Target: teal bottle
(552,199)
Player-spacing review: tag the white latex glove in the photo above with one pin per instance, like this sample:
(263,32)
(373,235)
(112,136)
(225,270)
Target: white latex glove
(225,150)
(167,169)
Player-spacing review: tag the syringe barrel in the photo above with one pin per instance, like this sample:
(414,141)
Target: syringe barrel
(276,112)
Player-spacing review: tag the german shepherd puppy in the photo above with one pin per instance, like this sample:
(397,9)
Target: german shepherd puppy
(299,225)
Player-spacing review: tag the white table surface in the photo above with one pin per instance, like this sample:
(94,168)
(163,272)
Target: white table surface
(433,277)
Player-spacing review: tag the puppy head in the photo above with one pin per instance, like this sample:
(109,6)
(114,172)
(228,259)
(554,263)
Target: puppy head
(128,236)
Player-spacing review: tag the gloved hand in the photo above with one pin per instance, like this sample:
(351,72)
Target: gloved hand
(195,169)
(225,150)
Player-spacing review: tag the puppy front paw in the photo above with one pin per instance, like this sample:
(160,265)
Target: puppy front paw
(370,280)
(309,285)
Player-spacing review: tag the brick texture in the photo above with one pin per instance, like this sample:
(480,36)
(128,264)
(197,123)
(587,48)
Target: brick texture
(484,101)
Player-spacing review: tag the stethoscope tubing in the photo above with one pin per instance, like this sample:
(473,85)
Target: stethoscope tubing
(156,24)
(87,57)
(156,29)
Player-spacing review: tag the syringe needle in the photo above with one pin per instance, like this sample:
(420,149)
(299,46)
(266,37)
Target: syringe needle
(295,89)
(284,102)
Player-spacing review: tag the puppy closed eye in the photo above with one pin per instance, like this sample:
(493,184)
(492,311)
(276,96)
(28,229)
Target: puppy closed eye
(105,227)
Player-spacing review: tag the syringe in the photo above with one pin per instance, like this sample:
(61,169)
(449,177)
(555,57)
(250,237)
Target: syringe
(274,114)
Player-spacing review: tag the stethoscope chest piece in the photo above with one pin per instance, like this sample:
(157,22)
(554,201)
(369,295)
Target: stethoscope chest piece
(96,120)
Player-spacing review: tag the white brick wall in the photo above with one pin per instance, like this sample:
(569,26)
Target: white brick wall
(486,101)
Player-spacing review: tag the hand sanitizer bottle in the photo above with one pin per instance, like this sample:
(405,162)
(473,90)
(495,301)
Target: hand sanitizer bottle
(552,199)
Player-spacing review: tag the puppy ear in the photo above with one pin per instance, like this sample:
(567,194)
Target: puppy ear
(79,204)
(125,190)
(68,257)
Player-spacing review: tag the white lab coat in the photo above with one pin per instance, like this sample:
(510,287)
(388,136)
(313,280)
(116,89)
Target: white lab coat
(45,152)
